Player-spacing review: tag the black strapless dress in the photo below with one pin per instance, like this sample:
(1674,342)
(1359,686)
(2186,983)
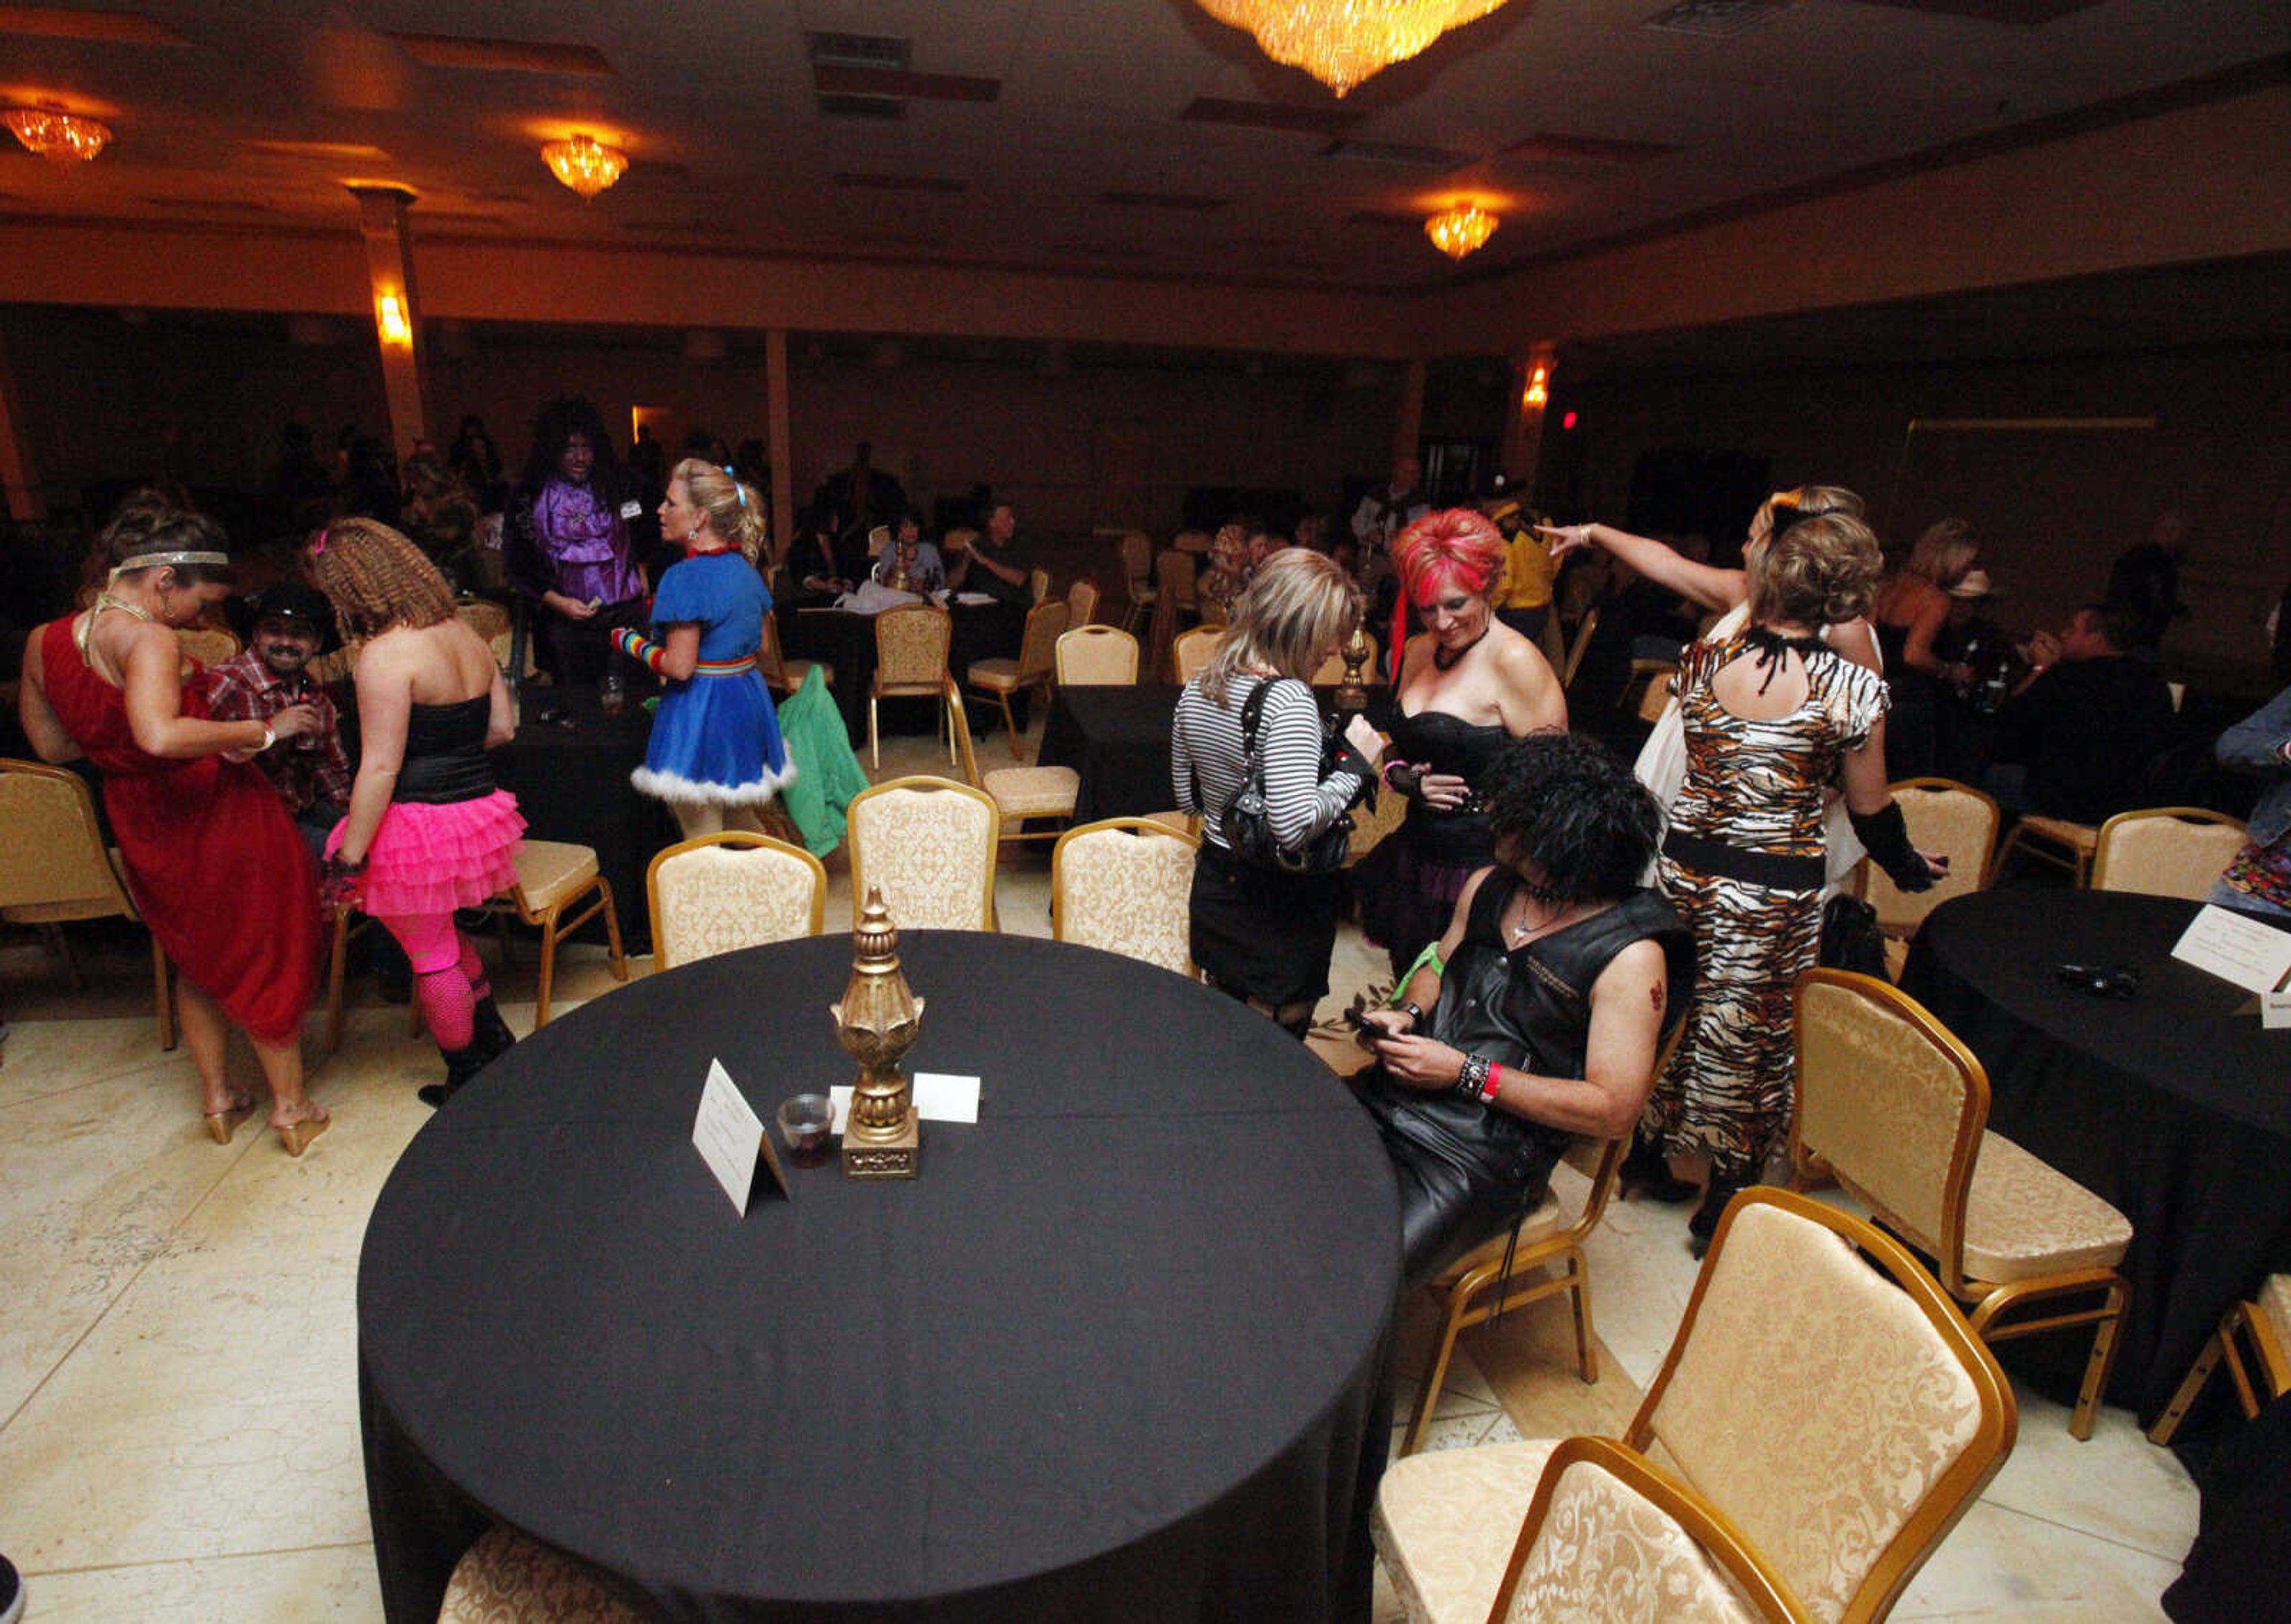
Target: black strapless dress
(1406,886)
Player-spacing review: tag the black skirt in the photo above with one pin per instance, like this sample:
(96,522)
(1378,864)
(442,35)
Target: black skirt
(1262,933)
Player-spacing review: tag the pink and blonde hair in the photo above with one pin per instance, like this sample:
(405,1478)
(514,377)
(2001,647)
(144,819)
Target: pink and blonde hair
(1458,548)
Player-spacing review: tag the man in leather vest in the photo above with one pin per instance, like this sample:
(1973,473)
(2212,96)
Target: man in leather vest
(1556,982)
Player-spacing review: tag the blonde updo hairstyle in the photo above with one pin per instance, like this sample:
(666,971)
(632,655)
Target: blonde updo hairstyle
(1817,572)
(1300,605)
(376,578)
(1785,508)
(735,509)
(1943,553)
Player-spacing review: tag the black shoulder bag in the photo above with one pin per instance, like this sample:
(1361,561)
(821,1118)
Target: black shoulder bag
(1248,829)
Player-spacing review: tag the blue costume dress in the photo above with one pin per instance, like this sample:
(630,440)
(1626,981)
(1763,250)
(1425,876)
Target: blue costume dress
(717,735)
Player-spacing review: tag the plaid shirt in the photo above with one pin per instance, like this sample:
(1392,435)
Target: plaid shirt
(245,689)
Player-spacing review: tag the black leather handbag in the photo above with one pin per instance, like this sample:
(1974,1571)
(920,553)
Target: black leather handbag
(1248,827)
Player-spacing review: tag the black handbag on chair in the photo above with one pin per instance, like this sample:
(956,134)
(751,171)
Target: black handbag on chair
(1851,939)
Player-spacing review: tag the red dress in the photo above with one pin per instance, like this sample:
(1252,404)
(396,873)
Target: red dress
(212,856)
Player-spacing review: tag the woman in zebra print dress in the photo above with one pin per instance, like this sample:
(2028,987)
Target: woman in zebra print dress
(1771,714)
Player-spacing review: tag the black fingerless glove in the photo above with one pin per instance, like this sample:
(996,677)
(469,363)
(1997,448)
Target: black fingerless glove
(1886,833)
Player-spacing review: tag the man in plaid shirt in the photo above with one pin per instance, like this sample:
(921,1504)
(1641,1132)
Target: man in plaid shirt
(310,774)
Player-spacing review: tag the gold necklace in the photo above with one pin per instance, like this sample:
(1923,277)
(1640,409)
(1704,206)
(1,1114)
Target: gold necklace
(84,636)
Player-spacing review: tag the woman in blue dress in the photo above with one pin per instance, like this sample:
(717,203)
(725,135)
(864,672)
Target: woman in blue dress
(716,755)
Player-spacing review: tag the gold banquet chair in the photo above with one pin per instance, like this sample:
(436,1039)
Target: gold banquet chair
(507,1579)
(482,615)
(781,674)
(2056,841)
(1611,1537)
(1000,677)
(2265,1325)
(1081,601)
(1137,579)
(718,893)
(927,844)
(1017,793)
(1126,884)
(1038,583)
(911,648)
(1943,816)
(2166,851)
(208,645)
(1841,1416)
(1192,651)
(1096,655)
(1896,1109)
(1477,1287)
(55,869)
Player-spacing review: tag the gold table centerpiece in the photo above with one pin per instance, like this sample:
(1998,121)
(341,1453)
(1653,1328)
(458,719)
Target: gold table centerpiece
(876,1023)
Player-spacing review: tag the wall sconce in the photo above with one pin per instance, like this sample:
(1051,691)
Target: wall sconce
(1538,394)
(390,317)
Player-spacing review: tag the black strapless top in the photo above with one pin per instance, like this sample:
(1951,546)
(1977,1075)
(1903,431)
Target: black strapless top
(445,758)
(1441,742)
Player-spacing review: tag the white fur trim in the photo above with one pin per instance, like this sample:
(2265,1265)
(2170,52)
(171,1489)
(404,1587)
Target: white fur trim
(674,786)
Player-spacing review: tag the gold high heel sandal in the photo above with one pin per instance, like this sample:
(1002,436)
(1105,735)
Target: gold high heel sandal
(221,1124)
(296,1136)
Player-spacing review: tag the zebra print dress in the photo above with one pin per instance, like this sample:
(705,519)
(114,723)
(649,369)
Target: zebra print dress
(1756,785)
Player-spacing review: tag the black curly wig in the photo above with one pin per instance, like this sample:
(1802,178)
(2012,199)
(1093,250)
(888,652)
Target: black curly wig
(1576,813)
(558,422)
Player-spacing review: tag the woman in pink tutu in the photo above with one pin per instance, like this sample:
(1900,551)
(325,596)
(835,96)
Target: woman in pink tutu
(428,831)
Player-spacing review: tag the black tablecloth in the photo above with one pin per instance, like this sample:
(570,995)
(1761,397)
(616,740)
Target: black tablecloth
(573,785)
(846,641)
(1117,1355)
(2234,1572)
(2169,1104)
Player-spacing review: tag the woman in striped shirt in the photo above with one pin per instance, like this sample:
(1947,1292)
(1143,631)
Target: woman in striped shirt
(1259,934)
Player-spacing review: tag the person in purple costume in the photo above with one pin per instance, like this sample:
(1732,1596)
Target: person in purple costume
(565,542)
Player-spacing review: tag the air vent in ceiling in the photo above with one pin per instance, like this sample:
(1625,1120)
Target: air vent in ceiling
(1270,115)
(900,183)
(1715,18)
(72,22)
(1396,155)
(337,152)
(504,55)
(210,206)
(1593,151)
(859,50)
(872,110)
(1179,203)
(832,81)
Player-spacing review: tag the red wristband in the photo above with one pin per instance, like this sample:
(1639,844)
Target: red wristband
(1494,1084)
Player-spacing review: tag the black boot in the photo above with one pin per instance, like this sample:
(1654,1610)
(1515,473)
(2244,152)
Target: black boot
(461,1065)
(1646,1172)
(1723,1188)
(493,1034)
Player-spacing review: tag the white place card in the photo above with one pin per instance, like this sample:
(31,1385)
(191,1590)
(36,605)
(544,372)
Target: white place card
(2222,943)
(730,1138)
(940,1097)
(2275,1010)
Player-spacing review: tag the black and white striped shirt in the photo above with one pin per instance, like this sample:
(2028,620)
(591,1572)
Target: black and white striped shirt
(1205,751)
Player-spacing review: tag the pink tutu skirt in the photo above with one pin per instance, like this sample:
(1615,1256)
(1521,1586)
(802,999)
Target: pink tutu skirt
(433,859)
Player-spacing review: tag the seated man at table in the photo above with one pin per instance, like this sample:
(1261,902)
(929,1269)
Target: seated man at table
(1542,1015)
(994,564)
(312,774)
(2078,739)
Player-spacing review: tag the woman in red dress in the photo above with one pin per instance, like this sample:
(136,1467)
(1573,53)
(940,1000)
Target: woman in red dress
(212,857)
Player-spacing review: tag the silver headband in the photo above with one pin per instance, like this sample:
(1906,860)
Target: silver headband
(153,560)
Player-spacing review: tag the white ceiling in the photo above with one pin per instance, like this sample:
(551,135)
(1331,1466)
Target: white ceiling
(716,103)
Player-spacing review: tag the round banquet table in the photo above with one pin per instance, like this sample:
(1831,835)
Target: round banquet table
(1118,1353)
(2169,1104)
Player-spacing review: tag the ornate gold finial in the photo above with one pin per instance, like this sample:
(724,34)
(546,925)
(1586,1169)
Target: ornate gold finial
(1357,653)
(876,1023)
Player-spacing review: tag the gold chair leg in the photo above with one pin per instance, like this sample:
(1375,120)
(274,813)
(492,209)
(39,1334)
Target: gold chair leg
(620,959)
(2096,1370)
(946,725)
(548,965)
(1579,1295)
(874,739)
(163,997)
(335,966)
(1010,721)
(1428,1396)
(2197,1375)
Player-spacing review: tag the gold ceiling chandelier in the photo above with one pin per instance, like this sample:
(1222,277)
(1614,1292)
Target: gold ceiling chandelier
(63,138)
(584,165)
(1457,231)
(1342,42)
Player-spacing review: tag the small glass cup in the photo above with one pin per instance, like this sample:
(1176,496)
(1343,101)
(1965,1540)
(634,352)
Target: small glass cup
(804,1124)
(613,697)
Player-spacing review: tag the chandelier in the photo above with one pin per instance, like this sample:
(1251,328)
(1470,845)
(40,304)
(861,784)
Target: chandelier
(61,138)
(584,166)
(1342,42)
(1457,231)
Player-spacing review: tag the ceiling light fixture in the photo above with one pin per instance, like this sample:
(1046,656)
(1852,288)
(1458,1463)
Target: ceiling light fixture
(584,165)
(1342,42)
(61,138)
(1457,231)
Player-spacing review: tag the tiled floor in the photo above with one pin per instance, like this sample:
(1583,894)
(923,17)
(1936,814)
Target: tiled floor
(178,1420)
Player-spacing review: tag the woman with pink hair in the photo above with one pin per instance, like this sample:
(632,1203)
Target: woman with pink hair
(1465,687)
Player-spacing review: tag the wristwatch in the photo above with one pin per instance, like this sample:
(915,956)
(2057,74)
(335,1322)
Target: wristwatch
(1415,1013)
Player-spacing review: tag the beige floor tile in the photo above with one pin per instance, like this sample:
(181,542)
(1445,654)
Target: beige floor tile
(2114,1484)
(2002,1564)
(336,1584)
(53,1057)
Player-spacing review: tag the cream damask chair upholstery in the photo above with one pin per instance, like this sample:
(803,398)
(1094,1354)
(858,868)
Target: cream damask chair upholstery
(1081,602)
(718,893)
(1194,649)
(1038,583)
(1892,1106)
(1097,655)
(927,844)
(1017,793)
(1943,816)
(1611,1538)
(2264,1326)
(998,679)
(1126,884)
(1137,579)
(2166,851)
(54,867)
(208,645)
(483,616)
(507,1579)
(911,648)
(1841,1416)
